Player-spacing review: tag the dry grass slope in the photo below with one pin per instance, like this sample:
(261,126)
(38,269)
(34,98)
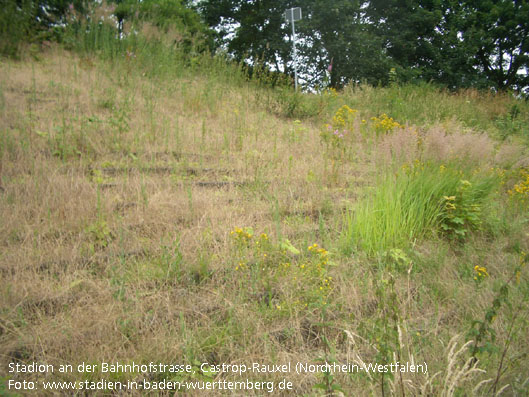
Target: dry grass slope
(119,192)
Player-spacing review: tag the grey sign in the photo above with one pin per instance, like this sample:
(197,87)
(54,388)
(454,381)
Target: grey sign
(293,14)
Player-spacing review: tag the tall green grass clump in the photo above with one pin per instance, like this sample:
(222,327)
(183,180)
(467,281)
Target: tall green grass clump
(419,201)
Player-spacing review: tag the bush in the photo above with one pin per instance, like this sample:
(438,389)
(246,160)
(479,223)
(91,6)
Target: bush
(15,27)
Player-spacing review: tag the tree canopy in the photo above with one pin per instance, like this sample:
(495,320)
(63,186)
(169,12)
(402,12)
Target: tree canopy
(457,43)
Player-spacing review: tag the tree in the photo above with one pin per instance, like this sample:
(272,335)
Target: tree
(408,31)
(251,29)
(23,21)
(330,32)
(16,22)
(338,39)
(497,33)
(457,43)
(452,63)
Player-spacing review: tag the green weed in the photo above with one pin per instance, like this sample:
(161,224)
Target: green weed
(99,236)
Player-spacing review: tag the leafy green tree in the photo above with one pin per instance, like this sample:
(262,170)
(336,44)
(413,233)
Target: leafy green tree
(331,31)
(451,61)
(53,12)
(497,32)
(339,44)
(16,21)
(408,31)
(251,29)
(23,21)
(457,43)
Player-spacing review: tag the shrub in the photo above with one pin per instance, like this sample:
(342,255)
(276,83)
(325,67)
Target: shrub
(15,26)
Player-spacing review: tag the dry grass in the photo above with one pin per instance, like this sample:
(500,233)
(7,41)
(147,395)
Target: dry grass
(118,196)
(448,146)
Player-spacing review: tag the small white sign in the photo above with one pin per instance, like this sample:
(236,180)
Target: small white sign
(293,14)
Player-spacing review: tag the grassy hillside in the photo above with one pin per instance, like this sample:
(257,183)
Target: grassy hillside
(167,210)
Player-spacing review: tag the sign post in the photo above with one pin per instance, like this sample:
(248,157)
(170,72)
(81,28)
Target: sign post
(291,15)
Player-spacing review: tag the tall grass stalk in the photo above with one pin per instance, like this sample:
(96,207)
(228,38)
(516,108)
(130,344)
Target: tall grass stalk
(407,206)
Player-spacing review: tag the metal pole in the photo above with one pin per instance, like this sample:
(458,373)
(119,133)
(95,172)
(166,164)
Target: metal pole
(295,54)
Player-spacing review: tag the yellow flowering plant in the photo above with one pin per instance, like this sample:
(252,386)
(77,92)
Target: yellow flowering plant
(340,128)
(480,273)
(266,265)
(384,124)
(242,236)
(520,190)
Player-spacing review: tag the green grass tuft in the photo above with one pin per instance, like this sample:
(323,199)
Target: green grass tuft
(408,206)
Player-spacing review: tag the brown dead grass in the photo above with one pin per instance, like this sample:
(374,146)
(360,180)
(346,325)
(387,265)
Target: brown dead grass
(60,275)
(84,238)
(447,146)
